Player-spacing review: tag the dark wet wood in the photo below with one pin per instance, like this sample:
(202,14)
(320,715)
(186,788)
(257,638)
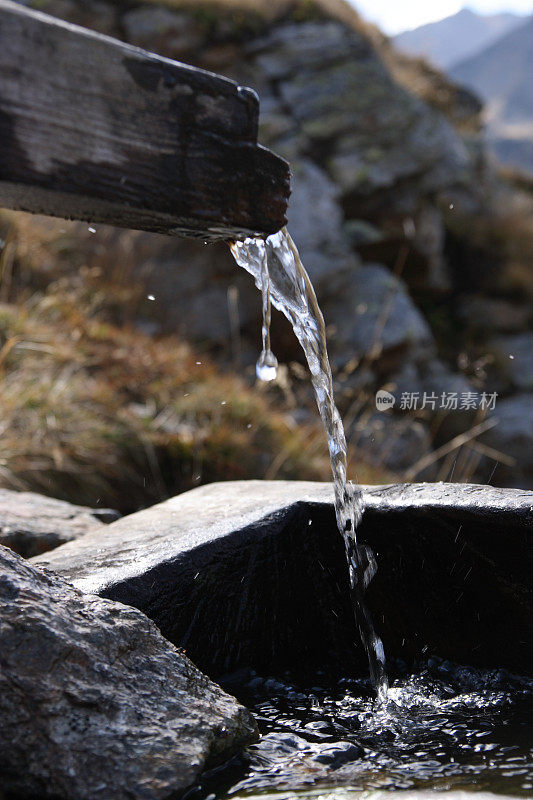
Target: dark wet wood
(94,129)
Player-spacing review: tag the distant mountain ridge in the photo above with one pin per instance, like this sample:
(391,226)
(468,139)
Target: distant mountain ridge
(458,37)
(497,65)
(502,75)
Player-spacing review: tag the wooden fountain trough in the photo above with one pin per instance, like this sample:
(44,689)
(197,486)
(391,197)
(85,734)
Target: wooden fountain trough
(94,129)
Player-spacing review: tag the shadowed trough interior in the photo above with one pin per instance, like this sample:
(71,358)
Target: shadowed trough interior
(274,595)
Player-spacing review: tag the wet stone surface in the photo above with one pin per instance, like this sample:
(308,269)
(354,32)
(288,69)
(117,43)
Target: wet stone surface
(444,727)
(31,524)
(95,703)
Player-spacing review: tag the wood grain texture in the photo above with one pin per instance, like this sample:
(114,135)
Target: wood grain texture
(94,129)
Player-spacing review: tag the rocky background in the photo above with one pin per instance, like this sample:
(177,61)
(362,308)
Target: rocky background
(420,250)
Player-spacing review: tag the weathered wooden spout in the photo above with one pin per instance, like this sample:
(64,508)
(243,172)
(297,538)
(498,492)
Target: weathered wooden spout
(97,130)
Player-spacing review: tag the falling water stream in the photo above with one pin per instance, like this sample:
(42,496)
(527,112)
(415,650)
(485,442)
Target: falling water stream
(281,277)
(440,726)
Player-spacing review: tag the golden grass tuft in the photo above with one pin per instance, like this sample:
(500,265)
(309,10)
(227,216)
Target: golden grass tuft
(269,10)
(100,413)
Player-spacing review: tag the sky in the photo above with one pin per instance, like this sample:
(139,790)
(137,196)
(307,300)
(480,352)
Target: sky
(394,16)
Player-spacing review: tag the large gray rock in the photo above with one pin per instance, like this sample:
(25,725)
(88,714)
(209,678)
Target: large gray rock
(373,313)
(31,523)
(253,574)
(316,224)
(494,314)
(372,133)
(432,377)
(516,358)
(95,703)
(441,394)
(391,442)
(512,435)
(357,142)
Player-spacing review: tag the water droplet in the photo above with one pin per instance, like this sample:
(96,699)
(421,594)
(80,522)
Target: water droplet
(266,368)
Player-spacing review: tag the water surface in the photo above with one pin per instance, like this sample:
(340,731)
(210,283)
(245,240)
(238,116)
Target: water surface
(443,728)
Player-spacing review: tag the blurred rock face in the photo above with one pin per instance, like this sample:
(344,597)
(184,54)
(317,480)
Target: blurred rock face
(390,181)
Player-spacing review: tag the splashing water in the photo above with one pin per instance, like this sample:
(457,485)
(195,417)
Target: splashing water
(446,728)
(280,275)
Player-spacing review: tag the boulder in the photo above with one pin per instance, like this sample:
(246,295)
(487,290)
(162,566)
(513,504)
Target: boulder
(513,436)
(515,355)
(316,225)
(31,523)
(391,442)
(441,397)
(95,702)
(253,574)
(379,135)
(379,150)
(373,314)
(429,376)
(494,314)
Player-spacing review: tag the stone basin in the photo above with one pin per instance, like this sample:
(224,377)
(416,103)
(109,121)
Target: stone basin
(252,574)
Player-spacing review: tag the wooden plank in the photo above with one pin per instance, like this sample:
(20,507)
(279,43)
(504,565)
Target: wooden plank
(94,129)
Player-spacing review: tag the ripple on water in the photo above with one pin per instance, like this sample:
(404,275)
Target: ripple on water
(445,728)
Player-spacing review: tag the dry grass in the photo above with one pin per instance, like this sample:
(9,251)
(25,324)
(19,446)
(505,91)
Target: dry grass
(95,413)
(100,413)
(273,9)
